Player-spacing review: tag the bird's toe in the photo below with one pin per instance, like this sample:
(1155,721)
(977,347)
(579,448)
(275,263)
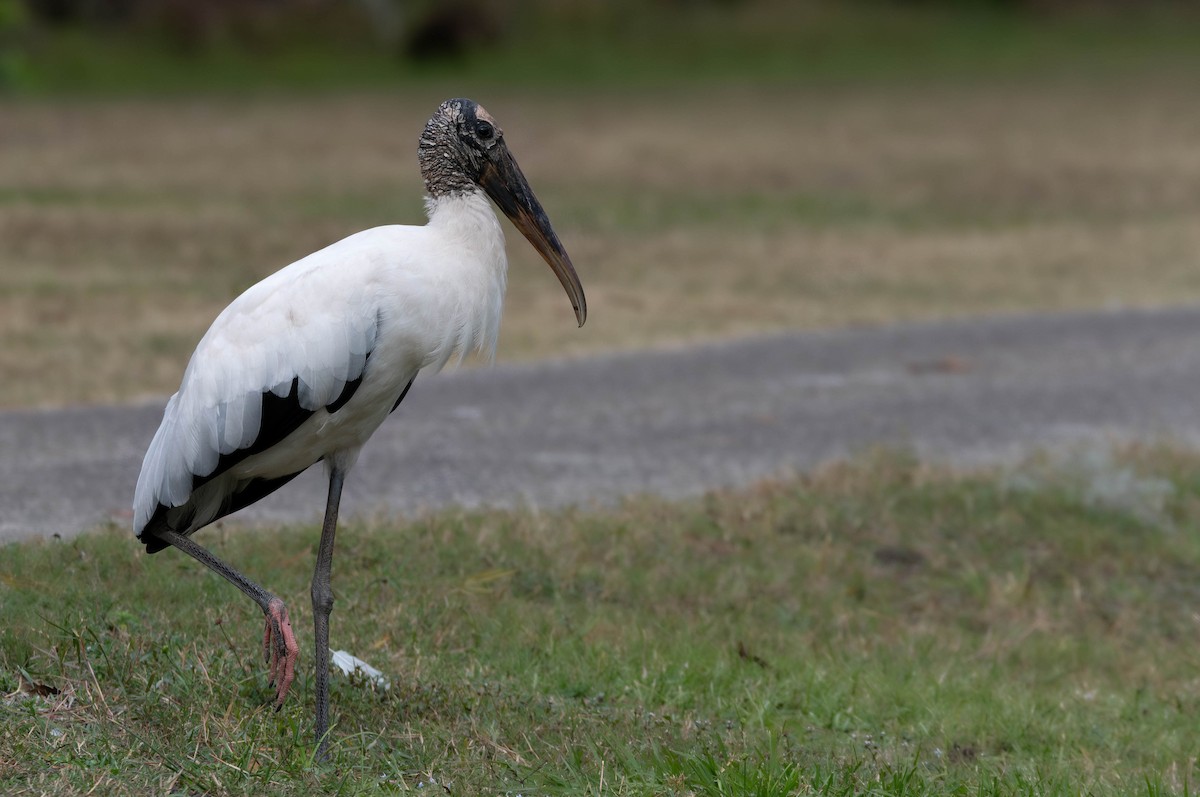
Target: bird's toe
(280,650)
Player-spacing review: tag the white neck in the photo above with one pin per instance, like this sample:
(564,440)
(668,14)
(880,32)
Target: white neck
(468,222)
(470,212)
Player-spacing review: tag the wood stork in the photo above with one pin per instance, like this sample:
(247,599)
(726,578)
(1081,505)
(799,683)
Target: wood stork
(305,365)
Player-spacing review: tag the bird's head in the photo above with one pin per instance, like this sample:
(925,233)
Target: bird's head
(461,148)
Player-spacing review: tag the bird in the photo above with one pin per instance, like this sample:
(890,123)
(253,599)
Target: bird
(305,365)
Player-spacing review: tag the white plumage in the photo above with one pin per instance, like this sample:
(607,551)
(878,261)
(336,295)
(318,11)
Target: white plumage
(305,365)
(380,305)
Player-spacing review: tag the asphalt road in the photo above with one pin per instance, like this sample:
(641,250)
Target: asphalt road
(676,422)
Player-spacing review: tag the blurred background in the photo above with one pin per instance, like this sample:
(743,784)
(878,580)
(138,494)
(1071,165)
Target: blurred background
(715,167)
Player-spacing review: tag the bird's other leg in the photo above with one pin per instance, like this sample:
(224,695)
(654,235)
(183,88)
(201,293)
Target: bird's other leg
(280,650)
(322,601)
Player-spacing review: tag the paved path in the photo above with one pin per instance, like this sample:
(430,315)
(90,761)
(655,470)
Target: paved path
(677,422)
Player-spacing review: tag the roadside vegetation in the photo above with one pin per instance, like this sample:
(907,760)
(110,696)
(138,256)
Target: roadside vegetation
(125,226)
(877,628)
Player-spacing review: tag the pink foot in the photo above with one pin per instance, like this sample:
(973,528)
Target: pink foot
(280,650)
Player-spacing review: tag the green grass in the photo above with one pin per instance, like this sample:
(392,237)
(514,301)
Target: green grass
(879,628)
(624,44)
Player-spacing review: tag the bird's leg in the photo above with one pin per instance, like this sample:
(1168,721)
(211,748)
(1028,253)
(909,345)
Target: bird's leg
(322,601)
(279,643)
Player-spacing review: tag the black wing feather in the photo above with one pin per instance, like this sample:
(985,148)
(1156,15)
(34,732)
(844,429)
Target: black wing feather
(280,417)
(403,393)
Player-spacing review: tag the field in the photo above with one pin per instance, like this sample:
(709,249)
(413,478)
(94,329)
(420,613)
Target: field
(126,225)
(878,628)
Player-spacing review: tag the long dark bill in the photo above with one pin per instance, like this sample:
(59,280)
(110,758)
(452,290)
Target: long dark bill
(508,188)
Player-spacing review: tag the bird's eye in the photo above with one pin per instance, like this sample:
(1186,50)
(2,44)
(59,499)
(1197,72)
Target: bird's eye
(484,130)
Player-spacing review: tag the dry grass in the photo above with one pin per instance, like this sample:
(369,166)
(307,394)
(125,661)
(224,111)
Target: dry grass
(126,225)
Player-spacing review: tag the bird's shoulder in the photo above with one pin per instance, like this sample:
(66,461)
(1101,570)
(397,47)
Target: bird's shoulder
(336,270)
(340,285)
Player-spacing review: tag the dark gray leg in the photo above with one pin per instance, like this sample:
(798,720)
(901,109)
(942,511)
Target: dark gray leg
(280,650)
(322,601)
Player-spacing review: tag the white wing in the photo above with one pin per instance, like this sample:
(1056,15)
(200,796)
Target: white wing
(309,327)
(407,297)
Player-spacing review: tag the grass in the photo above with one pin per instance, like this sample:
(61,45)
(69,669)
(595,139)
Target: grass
(879,628)
(618,45)
(126,225)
